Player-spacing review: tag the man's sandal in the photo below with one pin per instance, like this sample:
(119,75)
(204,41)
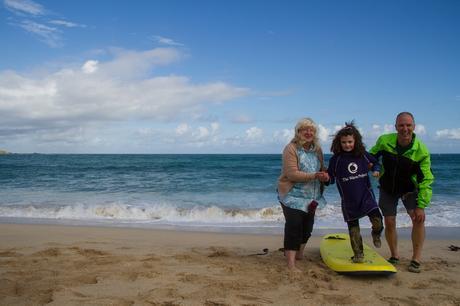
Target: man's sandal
(393,260)
(414,267)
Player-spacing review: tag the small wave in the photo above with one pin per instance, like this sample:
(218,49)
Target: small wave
(165,213)
(328,216)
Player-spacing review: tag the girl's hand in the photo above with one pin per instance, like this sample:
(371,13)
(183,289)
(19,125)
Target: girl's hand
(376,174)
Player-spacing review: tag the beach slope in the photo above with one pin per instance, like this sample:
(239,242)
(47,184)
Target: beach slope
(65,265)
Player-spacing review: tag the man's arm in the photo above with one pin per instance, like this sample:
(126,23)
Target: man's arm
(425,180)
(376,149)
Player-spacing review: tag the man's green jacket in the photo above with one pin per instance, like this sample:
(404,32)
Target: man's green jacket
(406,172)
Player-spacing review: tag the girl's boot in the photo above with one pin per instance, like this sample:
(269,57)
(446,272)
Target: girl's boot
(377,228)
(356,244)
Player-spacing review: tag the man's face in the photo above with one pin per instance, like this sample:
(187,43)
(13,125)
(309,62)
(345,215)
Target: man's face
(405,127)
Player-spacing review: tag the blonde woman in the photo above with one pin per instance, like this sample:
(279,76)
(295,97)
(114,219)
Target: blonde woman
(299,188)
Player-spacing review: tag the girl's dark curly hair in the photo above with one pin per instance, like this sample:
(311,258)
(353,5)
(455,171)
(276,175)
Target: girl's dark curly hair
(347,130)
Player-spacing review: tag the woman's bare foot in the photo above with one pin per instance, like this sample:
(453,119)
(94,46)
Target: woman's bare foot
(294,269)
(291,257)
(299,253)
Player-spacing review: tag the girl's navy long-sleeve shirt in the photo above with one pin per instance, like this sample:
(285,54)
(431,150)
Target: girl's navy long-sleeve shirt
(350,173)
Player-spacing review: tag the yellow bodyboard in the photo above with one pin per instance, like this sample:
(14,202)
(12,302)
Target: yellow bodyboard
(336,253)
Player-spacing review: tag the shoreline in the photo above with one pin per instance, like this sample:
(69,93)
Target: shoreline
(432,232)
(42,232)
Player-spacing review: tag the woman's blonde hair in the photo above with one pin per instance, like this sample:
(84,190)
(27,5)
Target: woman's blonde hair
(306,123)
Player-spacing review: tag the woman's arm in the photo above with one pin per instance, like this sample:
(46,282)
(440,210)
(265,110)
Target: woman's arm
(291,167)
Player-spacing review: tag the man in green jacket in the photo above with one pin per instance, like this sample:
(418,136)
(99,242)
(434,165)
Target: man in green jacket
(407,176)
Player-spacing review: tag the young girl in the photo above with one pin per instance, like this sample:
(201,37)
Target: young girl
(349,167)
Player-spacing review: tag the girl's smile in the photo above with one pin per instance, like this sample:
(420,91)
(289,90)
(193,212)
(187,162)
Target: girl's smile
(347,143)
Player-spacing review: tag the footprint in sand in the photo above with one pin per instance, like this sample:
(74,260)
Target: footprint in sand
(85,279)
(410,301)
(219,253)
(185,277)
(8,287)
(252,298)
(339,299)
(91,252)
(420,285)
(51,252)
(444,299)
(151,257)
(215,303)
(10,254)
(442,280)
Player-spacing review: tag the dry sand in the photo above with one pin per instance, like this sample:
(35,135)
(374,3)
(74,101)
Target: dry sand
(65,265)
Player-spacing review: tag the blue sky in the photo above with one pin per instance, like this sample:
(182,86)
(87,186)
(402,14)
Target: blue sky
(223,76)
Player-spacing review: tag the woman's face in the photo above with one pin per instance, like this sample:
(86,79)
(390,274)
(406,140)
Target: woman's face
(307,134)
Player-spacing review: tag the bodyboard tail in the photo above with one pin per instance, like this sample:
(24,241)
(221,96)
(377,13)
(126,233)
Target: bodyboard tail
(336,253)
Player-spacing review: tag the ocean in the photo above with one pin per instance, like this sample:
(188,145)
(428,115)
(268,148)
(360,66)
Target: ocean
(198,192)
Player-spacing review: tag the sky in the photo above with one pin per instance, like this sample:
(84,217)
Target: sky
(170,76)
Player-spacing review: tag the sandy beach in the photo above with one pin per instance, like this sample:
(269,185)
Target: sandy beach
(70,265)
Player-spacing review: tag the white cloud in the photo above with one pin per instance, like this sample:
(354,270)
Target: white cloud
(448,134)
(121,91)
(251,138)
(182,129)
(377,129)
(200,136)
(420,129)
(254,134)
(24,6)
(283,136)
(90,67)
(323,133)
(49,35)
(145,131)
(33,18)
(183,137)
(388,128)
(166,41)
(67,24)
(201,133)
(73,135)
(129,64)
(215,126)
